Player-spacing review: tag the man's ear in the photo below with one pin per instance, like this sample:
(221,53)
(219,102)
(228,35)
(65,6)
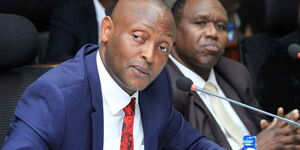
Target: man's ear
(106,28)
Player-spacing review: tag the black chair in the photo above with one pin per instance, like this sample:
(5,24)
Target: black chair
(18,47)
(43,41)
(253,51)
(278,81)
(280,18)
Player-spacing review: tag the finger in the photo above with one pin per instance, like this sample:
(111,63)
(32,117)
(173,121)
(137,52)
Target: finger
(291,147)
(264,124)
(298,128)
(292,128)
(291,139)
(275,123)
(294,114)
(280,112)
(289,130)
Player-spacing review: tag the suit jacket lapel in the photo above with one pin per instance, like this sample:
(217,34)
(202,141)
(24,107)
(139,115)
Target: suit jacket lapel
(97,105)
(152,102)
(197,110)
(145,104)
(231,93)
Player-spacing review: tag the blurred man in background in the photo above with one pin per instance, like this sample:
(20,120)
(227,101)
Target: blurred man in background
(74,25)
(200,42)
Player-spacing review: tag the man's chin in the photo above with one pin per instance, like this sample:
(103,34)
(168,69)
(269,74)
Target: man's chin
(137,86)
(209,63)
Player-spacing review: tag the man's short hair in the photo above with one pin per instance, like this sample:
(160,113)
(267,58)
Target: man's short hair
(177,10)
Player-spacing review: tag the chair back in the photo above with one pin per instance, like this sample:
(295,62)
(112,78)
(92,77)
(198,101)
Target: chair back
(18,47)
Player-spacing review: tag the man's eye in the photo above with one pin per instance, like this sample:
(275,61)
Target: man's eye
(137,38)
(162,48)
(200,22)
(221,27)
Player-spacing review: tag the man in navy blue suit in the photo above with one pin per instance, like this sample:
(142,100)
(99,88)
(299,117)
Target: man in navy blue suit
(116,98)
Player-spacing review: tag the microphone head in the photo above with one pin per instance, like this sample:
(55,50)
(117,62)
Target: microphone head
(294,50)
(184,84)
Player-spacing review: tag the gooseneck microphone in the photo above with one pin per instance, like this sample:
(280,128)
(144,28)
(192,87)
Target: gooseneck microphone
(294,51)
(186,84)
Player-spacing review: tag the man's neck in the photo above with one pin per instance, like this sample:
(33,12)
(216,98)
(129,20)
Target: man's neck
(203,72)
(198,69)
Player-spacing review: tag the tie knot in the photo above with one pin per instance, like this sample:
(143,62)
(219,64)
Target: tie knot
(129,109)
(210,87)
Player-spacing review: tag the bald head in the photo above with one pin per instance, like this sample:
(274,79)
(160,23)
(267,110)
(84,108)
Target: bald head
(136,41)
(137,11)
(136,6)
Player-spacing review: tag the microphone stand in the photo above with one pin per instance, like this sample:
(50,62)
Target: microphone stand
(194,87)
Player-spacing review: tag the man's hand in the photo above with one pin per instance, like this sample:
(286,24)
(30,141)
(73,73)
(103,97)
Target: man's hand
(278,134)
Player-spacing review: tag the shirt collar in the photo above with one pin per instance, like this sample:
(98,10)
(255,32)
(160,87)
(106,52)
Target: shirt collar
(112,93)
(198,80)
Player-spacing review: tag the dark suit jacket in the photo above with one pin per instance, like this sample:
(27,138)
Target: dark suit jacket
(72,26)
(63,110)
(278,80)
(234,80)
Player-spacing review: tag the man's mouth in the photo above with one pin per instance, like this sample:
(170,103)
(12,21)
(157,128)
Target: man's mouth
(211,47)
(141,71)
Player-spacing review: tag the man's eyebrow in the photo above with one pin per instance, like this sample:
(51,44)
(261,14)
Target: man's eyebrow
(222,21)
(170,34)
(207,17)
(201,16)
(145,25)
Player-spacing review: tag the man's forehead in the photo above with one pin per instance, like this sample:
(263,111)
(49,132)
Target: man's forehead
(154,22)
(139,8)
(135,4)
(216,4)
(145,12)
(203,8)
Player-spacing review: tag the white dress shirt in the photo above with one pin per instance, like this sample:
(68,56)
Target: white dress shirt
(199,81)
(100,14)
(114,100)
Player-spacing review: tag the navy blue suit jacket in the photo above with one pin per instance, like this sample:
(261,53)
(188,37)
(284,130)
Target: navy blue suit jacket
(63,110)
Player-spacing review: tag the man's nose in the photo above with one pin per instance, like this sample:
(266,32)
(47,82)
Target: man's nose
(148,52)
(211,31)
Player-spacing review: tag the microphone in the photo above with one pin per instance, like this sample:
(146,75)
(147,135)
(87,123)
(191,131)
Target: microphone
(294,51)
(186,84)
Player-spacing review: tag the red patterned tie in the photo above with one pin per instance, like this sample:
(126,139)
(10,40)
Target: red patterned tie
(127,129)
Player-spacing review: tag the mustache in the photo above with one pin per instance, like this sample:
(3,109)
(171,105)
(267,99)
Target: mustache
(142,68)
(211,45)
